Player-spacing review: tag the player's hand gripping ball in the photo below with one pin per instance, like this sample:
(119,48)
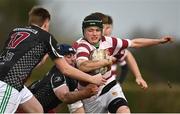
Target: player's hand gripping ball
(100,54)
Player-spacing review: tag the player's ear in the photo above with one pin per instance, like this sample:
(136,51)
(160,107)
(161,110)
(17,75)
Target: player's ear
(45,26)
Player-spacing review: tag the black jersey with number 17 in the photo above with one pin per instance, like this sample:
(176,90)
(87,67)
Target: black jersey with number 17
(23,50)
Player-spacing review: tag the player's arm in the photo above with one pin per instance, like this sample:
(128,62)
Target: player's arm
(135,70)
(90,65)
(69,97)
(74,73)
(67,69)
(142,42)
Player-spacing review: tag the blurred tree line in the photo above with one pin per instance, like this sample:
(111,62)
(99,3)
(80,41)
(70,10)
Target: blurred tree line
(160,62)
(13,13)
(157,63)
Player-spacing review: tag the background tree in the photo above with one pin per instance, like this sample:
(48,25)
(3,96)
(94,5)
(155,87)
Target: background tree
(13,13)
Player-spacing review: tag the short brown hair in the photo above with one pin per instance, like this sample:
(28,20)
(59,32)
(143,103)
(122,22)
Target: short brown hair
(38,15)
(107,20)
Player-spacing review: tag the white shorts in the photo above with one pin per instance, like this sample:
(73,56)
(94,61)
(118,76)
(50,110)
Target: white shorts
(10,98)
(74,106)
(99,104)
(25,94)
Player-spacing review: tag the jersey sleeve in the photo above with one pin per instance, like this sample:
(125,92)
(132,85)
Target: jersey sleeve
(124,43)
(53,49)
(122,63)
(82,52)
(75,45)
(123,55)
(57,79)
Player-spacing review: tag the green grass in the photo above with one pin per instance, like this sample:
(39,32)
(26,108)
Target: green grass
(158,98)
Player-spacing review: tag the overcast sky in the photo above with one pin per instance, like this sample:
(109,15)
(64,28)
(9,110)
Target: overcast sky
(160,17)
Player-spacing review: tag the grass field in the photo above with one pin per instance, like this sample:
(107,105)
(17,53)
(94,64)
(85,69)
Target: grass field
(159,98)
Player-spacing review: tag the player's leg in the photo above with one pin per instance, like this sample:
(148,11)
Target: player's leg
(79,110)
(29,103)
(118,105)
(117,101)
(31,106)
(9,98)
(76,107)
(123,109)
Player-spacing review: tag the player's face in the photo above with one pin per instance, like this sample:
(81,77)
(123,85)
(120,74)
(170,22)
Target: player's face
(70,58)
(107,29)
(93,34)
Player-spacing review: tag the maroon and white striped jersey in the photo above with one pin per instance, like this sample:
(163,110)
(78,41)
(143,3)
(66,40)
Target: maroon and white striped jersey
(120,61)
(120,56)
(115,46)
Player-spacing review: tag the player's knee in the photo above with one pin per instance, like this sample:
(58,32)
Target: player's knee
(117,105)
(39,109)
(34,106)
(36,109)
(123,109)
